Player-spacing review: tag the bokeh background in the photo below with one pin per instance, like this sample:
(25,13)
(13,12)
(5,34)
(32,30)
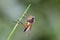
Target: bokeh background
(47,19)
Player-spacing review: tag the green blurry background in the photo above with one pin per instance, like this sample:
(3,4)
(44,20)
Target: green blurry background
(47,19)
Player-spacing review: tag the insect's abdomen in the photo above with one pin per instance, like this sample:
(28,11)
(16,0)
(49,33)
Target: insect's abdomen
(28,27)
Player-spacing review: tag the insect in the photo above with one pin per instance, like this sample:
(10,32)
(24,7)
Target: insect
(29,22)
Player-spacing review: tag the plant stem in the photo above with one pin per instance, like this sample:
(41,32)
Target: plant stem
(18,22)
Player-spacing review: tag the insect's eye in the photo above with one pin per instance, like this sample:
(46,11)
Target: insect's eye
(32,18)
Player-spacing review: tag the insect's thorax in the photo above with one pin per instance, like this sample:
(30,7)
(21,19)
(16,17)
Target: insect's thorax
(31,20)
(28,24)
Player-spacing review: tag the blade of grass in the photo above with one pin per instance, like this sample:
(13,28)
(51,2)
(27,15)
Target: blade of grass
(18,22)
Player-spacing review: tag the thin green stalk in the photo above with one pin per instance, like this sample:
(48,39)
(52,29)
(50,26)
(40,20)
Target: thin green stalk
(18,22)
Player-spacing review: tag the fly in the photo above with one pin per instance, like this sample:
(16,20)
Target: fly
(29,22)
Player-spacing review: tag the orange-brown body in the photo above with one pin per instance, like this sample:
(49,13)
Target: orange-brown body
(28,24)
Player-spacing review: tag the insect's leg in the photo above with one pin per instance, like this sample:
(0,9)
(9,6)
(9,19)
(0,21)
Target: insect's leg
(19,22)
(22,24)
(17,19)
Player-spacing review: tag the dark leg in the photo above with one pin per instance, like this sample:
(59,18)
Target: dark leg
(22,24)
(19,22)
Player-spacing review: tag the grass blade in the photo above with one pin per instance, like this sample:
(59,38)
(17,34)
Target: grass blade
(17,22)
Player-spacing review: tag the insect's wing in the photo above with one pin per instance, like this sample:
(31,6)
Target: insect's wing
(27,29)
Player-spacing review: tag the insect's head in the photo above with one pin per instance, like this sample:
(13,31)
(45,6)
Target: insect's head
(33,17)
